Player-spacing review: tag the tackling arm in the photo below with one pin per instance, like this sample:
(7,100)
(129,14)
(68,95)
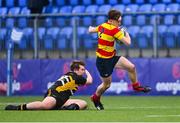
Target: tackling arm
(89,77)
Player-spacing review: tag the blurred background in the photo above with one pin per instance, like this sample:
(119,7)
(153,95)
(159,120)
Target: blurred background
(56,31)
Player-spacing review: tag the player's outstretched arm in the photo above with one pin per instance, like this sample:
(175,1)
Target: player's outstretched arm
(89,77)
(92,29)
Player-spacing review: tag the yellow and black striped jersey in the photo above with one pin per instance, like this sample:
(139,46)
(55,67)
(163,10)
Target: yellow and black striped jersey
(68,83)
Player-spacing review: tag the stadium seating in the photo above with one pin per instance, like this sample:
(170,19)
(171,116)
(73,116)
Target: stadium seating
(10,22)
(144,38)
(90,41)
(119,7)
(127,20)
(87,21)
(169,19)
(23,21)
(91,9)
(161,31)
(3,37)
(53,31)
(142,41)
(48,42)
(159,7)
(145,8)
(153,1)
(61,21)
(173,7)
(59,30)
(41,33)
(67,32)
(22,3)
(100,2)
(23,43)
(104,8)
(3,11)
(9,3)
(50,9)
(113,2)
(78,9)
(166,1)
(81,31)
(28,36)
(60,2)
(155,19)
(171,36)
(126,2)
(100,20)
(131,8)
(65,9)
(178,19)
(133,31)
(86,2)
(140,2)
(174,29)
(74,2)
(49,20)
(25,11)
(61,42)
(141,20)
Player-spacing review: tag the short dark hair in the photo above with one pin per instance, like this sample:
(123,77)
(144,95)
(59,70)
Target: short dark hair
(76,65)
(114,14)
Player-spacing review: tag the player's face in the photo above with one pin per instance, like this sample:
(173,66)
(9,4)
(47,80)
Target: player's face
(81,70)
(119,20)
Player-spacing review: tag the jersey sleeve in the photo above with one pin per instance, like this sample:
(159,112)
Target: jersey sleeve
(97,28)
(80,80)
(118,34)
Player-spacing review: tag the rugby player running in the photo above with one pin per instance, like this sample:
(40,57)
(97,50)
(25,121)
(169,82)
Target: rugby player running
(107,60)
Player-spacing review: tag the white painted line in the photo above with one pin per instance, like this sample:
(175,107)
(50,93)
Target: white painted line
(171,115)
(145,107)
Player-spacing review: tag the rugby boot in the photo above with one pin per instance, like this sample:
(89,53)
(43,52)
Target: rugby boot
(97,103)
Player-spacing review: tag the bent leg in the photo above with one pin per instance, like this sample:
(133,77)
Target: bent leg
(47,103)
(81,103)
(124,63)
(106,82)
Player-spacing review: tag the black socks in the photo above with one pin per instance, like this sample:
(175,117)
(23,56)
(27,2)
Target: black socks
(71,107)
(22,107)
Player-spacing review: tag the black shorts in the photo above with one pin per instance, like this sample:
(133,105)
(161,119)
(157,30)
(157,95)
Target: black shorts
(105,66)
(60,98)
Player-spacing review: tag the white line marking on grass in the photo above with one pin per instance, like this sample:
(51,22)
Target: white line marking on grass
(146,107)
(170,115)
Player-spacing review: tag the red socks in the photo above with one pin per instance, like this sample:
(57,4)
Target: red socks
(136,86)
(95,98)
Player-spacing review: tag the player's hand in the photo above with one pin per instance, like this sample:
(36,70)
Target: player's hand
(89,77)
(123,29)
(91,29)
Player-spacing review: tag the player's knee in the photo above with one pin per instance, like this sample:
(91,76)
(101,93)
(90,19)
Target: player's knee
(46,106)
(83,105)
(132,68)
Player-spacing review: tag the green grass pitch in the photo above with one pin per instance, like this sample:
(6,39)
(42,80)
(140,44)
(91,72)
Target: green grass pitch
(117,109)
